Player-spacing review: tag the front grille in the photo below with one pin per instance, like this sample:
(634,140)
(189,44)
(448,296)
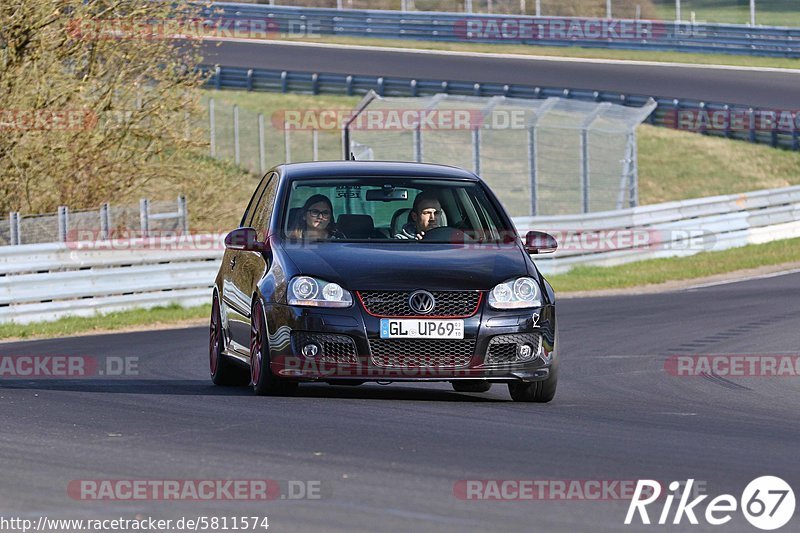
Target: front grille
(338,349)
(454,304)
(503,349)
(407,353)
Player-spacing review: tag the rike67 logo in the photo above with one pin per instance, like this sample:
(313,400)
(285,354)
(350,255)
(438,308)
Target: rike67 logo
(767,503)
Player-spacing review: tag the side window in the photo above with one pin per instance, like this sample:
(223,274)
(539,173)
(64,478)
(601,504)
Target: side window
(263,209)
(248,213)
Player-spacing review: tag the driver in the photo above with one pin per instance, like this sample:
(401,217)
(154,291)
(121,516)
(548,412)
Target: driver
(424,216)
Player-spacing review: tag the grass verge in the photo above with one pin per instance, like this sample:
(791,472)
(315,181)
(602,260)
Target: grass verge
(566,51)
(654,271)
(116,321)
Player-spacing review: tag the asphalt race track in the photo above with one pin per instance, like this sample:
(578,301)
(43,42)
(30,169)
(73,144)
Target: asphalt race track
(387,457)
(767,89)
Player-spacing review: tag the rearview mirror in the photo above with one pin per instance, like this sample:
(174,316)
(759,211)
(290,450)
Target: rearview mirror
(539,242)
(245,239)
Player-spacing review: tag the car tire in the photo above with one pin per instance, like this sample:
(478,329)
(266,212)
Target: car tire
(264,382)
(536,391)
(223,371)
(477,385)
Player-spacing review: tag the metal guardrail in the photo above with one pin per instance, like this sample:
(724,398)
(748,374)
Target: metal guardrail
(666,114)
(49,281)
(668,230)
(516,29)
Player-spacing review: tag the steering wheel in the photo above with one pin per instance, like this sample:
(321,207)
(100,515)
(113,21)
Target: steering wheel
(447,234)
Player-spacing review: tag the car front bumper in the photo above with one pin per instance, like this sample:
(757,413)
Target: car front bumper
(291,327)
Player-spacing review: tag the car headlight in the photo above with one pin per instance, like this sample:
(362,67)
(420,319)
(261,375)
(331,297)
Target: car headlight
(312,292)
(519,293)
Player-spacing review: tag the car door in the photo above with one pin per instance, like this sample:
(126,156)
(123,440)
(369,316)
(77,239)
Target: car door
(245,269)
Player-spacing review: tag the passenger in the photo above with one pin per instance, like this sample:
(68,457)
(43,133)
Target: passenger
(424,216)
(315,222)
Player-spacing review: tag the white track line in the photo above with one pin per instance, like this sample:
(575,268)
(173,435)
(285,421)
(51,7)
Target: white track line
(740,280)
(553,59)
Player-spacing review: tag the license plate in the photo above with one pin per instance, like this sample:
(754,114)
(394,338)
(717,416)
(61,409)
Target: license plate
(418,328)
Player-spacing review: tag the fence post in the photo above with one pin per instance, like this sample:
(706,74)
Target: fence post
(585,170)
(287,143)
(183,215)
(144,216)
(212,124)
(417,134)
(532,168)
(476,150)
(262,153)
(315,144)
(63,223)
(236,152)
(14,234)
(105,222)
(218,78)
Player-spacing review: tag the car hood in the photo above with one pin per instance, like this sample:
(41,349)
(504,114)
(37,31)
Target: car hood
(404,266)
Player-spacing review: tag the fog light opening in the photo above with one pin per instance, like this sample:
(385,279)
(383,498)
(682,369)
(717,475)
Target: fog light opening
(310,350)
(525,352)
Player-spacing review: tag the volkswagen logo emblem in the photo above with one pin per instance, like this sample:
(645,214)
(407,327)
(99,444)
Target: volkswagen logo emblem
(422,302)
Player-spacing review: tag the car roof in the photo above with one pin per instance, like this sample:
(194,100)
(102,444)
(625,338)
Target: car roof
(366,169)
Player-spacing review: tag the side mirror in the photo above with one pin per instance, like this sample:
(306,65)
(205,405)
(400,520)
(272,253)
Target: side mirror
(245,239)
(539,242)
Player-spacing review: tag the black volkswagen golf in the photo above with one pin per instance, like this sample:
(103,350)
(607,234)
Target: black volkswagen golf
(353,271)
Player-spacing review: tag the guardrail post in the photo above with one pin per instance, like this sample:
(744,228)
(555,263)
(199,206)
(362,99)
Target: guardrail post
(212,126)
(476,150)
(315,83)
(585,169)
(262,152)
(417,144)
(63,223)
(413,85)
(284,81)
(315,144)
(183,214)
(795,139)
(476,89)
(532,168)
(144,216)
(236,152)
(751,125)
(348,84)
(218,78)
(249,79)
(445,87)
(380,86)
(14,233)
(105,222)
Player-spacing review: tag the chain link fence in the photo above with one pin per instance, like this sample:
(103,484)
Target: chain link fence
(762,12)
(541,157)
(93,224)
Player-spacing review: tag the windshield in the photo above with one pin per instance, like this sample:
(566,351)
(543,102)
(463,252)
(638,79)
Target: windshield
(392,210)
